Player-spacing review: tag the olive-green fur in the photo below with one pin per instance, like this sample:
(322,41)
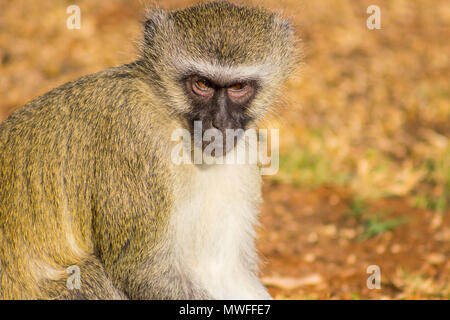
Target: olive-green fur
(85,171)
(84,156)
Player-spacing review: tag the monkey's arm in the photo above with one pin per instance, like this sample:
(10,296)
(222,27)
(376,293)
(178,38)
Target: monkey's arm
(132,200)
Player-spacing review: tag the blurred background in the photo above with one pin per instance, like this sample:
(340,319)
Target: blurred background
(364,173)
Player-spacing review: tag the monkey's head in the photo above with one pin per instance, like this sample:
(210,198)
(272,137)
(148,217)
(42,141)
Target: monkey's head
(218,63)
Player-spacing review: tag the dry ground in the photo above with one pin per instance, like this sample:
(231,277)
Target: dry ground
(365,152)
(314,246)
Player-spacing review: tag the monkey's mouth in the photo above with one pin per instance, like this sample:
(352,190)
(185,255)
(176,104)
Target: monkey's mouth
(216,142)
(216,133)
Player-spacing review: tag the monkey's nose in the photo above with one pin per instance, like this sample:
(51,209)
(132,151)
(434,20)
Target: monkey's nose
(222,123)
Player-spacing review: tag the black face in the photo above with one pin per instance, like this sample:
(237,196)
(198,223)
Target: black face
(219,105)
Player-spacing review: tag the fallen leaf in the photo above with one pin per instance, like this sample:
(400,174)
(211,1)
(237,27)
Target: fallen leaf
(289,283)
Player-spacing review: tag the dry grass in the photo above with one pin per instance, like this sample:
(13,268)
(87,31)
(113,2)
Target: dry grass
(371,109)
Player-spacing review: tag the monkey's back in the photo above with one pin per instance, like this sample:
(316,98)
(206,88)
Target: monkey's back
(59,155)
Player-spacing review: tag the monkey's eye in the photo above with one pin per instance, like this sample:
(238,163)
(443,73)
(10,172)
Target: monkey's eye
(240,92)
(201,87)
(237,86)
(203,84)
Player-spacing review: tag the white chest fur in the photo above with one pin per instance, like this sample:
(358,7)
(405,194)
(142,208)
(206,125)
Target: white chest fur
(212,228)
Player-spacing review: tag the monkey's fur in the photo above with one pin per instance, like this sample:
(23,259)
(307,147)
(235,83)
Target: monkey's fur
(86,177)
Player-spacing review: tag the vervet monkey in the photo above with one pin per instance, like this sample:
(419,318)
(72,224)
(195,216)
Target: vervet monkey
(86,177)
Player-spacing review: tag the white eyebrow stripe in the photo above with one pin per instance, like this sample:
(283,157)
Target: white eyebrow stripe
(226,73)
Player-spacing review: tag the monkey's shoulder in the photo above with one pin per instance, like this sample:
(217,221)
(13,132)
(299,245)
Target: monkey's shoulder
(110,108)
(113,94)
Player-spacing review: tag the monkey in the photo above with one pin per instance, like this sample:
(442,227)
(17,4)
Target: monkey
(86,177)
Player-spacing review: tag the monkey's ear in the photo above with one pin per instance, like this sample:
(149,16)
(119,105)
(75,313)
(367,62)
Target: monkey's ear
(154,19)
(284,24)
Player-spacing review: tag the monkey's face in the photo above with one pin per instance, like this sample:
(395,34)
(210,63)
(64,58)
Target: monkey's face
(218,63)
(220,105)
